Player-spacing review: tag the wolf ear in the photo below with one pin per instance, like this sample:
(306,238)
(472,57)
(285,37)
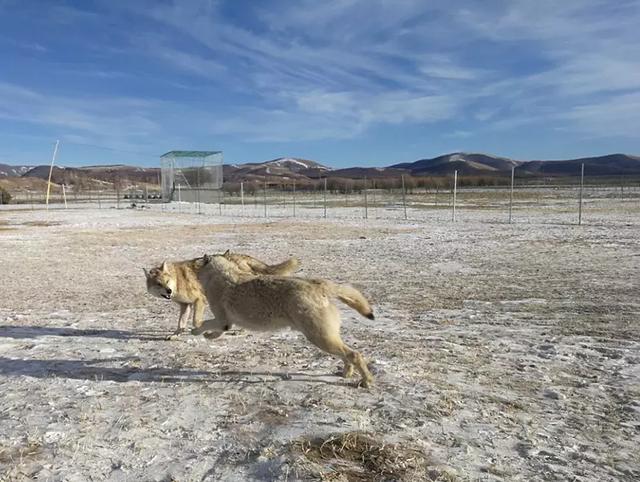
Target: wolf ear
(227,253)
(163,266)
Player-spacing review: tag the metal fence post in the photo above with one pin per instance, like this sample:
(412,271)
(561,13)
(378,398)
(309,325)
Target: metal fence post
(366,204)
(284,198)
(455,192)
(265,197)
(374,207)
(581,188)
(325,197)
(294,198)
(313,195)
(198,191)
(513,170)
(242,196)
(404,197)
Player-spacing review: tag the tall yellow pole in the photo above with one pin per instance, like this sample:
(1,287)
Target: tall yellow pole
(53,159)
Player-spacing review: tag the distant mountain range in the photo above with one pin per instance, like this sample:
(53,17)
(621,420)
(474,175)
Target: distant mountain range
(7,170)
(305,171)
(283,167)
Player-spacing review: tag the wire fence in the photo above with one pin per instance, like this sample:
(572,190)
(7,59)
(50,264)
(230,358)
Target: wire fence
(569,201)
(113,183)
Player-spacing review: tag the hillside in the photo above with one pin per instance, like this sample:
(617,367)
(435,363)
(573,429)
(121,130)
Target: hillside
(483,164)
(94,176)
(304,171)
(611,165)
(283,167)
(464,163)
(368,172)
(7,170)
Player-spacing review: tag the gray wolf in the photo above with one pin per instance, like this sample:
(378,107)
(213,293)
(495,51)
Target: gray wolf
(274,302)
(178,282)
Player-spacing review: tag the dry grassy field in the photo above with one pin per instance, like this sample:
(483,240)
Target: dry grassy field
(500,352)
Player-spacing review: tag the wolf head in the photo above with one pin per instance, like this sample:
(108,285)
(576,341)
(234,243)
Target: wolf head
(160,281)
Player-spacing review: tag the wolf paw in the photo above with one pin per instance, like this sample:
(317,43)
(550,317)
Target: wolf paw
(365,383)
(346,372)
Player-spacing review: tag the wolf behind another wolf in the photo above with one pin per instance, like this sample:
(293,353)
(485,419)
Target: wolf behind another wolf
(178,282)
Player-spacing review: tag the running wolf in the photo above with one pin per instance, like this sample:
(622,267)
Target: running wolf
(178,282)
(274,302)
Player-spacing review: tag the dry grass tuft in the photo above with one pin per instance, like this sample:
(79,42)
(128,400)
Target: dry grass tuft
(359,457)
(14,460)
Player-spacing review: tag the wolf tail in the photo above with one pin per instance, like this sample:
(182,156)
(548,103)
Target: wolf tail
(353,298)
(282,269)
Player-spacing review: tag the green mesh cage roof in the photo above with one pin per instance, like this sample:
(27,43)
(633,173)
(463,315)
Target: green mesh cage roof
(190,153)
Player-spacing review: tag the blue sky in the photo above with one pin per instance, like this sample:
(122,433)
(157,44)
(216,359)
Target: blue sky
(344,82)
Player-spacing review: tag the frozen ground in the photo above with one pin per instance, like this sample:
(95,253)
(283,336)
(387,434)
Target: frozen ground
(501,352)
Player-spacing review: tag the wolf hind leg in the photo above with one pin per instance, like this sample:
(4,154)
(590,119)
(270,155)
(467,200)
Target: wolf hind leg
(198,312)
(211,328)
(325,334)
(347,370)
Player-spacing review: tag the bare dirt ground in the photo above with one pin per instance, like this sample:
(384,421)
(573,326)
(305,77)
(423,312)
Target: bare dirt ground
(500,352)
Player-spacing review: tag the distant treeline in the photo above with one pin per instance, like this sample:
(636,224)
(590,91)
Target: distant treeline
(415,184)
(348,186)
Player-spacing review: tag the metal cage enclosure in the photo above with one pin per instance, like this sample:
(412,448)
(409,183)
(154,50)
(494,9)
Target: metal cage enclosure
(191,176)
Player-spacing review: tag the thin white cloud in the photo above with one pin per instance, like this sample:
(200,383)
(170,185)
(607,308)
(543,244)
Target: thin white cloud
(614,117)
(313,70)
(114,120)
(332,59)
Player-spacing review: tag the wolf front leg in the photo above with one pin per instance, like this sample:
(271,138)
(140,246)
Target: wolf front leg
(185,311)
